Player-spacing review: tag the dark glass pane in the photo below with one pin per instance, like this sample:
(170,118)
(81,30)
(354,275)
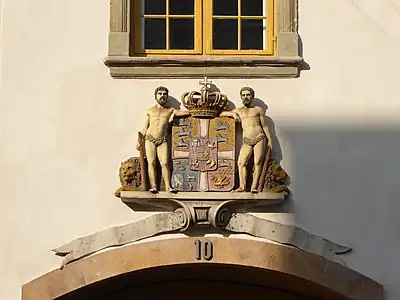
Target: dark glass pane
(225,7)
(181,7)
(225,34)
(154,7)
(181,33)
(154,34)
(252,8)
(252,35)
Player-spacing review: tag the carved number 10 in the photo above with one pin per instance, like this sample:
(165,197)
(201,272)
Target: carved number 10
(204,250)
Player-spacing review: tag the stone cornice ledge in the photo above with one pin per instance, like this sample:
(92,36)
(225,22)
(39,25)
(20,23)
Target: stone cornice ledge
(197,67)
(123,61)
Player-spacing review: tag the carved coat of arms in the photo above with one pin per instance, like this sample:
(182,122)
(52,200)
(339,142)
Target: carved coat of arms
(203,154)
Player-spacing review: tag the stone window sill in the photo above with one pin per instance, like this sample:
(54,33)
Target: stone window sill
(198,67)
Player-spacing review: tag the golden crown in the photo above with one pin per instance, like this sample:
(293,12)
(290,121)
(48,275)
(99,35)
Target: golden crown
(205,104)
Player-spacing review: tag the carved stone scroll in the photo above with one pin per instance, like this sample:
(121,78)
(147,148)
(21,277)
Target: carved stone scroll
(187,213)
(121,235)
(286,234)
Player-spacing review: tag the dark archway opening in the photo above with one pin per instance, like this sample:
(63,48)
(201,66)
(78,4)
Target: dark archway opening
(203,281)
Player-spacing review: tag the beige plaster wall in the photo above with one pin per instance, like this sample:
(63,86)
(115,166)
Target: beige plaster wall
(66,125)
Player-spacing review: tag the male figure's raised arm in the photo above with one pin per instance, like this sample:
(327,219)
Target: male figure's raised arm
(265,128)
(230,114)
(178,113)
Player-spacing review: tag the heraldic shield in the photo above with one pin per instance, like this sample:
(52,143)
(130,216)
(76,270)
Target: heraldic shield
(203,154)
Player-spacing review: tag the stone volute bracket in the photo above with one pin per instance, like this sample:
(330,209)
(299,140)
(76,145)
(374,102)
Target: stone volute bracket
(181,211)
(202,209)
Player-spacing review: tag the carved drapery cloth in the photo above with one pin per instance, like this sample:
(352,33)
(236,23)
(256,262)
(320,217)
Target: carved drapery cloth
(180,221)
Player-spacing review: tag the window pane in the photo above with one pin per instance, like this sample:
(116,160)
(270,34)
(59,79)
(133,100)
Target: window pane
(181,33)
(225,34)
(252,35)
(252,7)
(154,7)
(225,7)
(154,34)
(181,7)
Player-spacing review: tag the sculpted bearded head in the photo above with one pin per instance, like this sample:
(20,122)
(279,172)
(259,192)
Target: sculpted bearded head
(161,95)
(247,95)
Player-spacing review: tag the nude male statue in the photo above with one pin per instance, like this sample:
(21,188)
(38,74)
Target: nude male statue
(255,132)
(155,132)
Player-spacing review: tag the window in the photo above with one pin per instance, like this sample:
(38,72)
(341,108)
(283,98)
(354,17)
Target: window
(207,27)
(193,38)
(167,27)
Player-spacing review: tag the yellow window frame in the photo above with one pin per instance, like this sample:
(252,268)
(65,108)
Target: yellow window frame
(269,32)
(203,20)
(139,32)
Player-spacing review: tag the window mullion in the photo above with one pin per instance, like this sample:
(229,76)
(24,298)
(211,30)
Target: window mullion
(207,25)
(167,25)
(199,24)
(239,25)
(271,19)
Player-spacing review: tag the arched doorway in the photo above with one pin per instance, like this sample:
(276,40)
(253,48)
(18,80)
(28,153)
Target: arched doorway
(172,269)
(197,281)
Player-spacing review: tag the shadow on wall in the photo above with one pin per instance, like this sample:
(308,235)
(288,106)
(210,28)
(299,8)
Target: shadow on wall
(277,150)
(174,103)
(345,185)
